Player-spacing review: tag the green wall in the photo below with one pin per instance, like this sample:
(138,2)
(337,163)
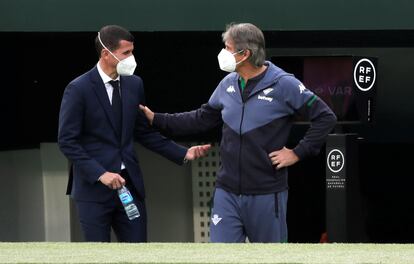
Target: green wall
(178,15)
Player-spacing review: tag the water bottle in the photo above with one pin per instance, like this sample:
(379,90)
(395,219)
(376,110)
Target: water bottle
(128,203)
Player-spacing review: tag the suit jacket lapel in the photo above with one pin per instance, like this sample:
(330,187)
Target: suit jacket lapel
(100,90)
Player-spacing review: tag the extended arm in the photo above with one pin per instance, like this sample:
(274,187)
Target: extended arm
(196,121)
(153,140)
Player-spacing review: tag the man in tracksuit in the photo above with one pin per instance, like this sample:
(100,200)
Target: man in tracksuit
(256,103)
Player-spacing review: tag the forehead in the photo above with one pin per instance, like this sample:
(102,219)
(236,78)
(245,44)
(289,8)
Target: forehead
(125,45)
(229,44)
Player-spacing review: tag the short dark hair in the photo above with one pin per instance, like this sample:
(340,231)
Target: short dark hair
(110,36)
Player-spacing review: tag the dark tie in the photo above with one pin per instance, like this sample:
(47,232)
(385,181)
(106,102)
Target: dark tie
(117,106)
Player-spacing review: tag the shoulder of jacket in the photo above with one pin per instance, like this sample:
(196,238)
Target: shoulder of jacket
(79,83)
(287,80)
(228,79)
(133,79)
(81,78)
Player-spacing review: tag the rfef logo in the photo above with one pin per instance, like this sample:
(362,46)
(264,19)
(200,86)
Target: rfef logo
(364,74)
(335,160)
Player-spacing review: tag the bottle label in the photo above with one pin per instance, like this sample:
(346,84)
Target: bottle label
(125,197)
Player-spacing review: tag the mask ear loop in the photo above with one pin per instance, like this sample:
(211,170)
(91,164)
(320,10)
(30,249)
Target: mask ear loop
(103,45)
(237,52)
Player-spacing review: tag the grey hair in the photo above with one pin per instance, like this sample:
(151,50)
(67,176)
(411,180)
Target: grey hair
(247,36)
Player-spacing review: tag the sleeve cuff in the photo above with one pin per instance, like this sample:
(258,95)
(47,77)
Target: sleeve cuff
(183,154)
(300,152)
(99,178)
(157,121)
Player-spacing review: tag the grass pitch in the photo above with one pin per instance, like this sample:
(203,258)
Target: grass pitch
(204,253)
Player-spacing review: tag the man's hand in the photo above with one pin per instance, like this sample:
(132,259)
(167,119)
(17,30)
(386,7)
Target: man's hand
(148,113)
(196,152)
(283,158)
(112,180)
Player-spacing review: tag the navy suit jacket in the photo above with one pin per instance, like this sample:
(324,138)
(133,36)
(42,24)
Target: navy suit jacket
(88,138)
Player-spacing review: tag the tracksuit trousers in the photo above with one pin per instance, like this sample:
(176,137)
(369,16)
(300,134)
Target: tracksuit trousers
(259,218)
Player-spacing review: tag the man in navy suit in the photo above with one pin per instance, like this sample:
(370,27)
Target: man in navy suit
(98,121)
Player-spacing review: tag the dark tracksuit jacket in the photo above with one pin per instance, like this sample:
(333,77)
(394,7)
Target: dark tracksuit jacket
(254,127)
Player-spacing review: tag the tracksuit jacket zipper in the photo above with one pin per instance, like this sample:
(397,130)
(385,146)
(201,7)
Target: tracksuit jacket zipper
(240,149)
(241,137)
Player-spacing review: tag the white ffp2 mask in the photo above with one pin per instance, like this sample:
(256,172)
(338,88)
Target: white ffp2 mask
(126,67)
(227,61)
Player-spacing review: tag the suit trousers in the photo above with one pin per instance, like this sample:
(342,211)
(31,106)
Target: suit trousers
(98,218)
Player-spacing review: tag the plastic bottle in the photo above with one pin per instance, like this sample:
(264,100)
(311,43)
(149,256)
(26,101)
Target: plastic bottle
(128,202)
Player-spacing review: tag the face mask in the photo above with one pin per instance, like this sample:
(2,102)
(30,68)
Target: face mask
(125,67)
(227,61)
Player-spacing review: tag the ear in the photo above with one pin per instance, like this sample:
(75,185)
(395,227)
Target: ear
(104,53)
(247,53)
